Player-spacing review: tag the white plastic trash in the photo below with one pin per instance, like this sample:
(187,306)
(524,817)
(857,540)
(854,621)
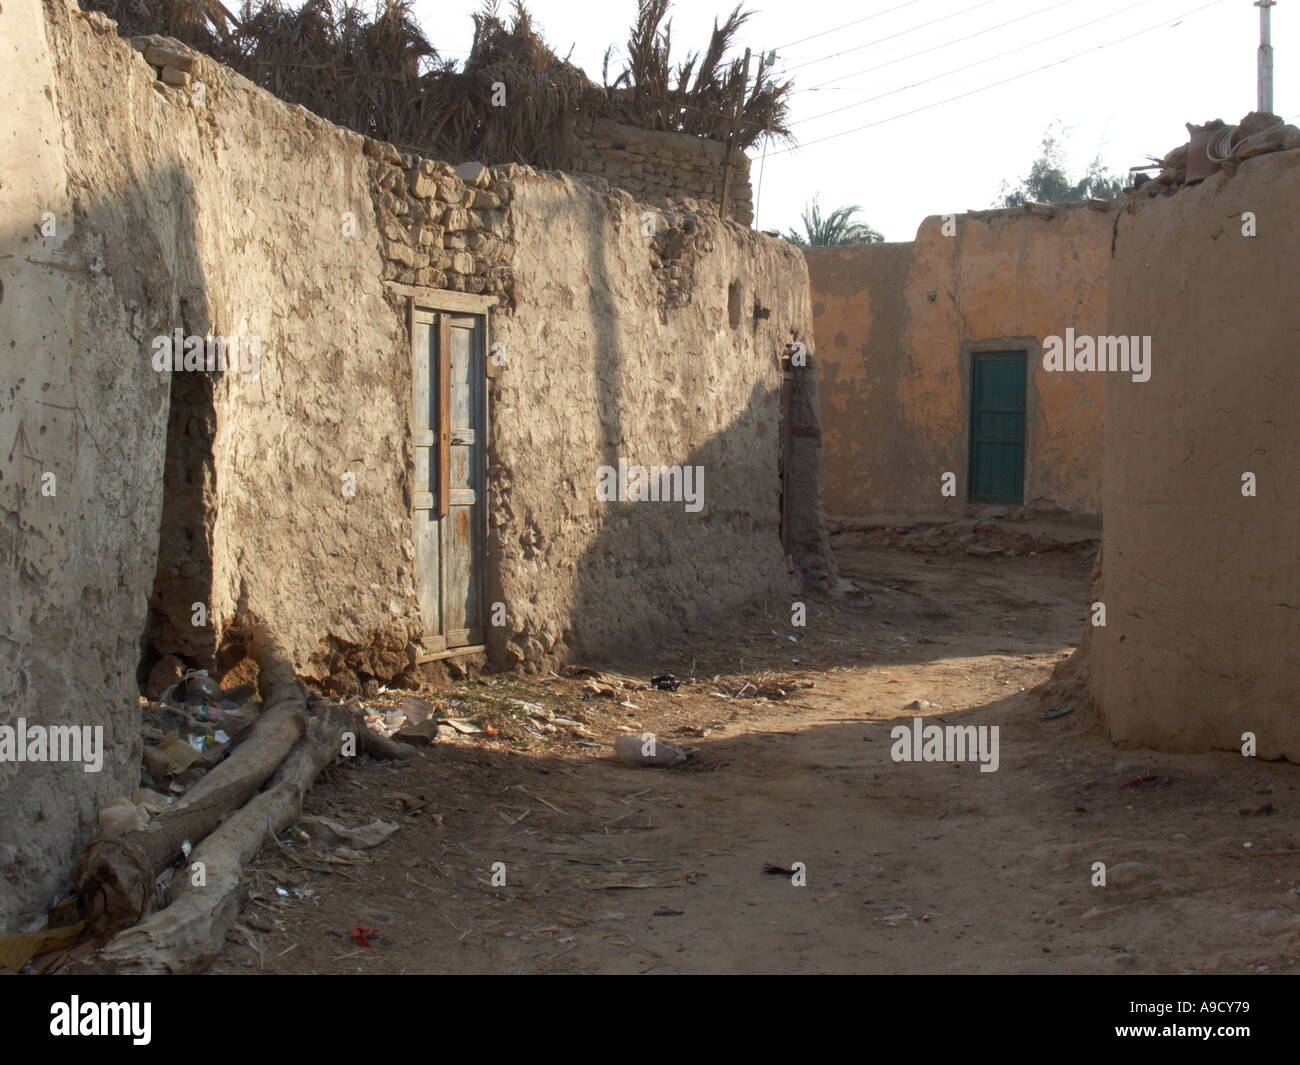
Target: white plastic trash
(646,750)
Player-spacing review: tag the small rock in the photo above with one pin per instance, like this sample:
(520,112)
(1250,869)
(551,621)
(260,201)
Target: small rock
(157,56)
(422,735)
(472,173)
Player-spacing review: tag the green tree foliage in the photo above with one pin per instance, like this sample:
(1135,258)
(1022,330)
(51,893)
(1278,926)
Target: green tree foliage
(1047,181)
(838,227)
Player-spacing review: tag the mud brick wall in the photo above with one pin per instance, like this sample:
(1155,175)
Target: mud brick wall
(1201,582)
(659,167)
(896,326)
(92,263)
(185,198)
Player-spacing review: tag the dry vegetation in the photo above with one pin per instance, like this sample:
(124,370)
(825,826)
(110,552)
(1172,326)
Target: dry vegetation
(379,74)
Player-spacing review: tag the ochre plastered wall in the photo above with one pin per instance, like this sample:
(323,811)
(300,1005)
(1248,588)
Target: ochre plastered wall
(895,325)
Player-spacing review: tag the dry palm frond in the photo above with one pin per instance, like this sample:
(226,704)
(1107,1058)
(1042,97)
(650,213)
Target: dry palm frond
(708,87)
(375,71)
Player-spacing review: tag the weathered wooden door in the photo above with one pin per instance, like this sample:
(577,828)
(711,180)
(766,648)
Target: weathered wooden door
(449,426)
(997,427)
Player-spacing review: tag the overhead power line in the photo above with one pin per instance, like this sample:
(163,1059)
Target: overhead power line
(856,22)
(978,62)
(956,40)
(892,36)
(996,84)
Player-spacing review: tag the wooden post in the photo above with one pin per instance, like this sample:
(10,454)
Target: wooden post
(731,140)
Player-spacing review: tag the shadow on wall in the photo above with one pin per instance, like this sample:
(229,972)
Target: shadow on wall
(657,567)
(710,542)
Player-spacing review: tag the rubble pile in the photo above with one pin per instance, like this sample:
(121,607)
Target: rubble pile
(1213,148)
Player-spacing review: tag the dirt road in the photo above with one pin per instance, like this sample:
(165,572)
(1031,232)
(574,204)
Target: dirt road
(909,867)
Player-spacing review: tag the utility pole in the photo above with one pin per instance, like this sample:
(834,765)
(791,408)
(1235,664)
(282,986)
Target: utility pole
(1265,100)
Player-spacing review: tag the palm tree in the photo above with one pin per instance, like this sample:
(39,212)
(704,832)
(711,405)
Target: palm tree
(837,227)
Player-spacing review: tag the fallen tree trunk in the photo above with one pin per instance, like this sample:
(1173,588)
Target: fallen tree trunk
(115,875)
(187,936)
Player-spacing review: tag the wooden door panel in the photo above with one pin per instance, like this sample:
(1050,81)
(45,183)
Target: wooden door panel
(427,530)
(997,436)
(463,538)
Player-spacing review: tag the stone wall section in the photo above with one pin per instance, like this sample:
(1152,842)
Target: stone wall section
(660,167)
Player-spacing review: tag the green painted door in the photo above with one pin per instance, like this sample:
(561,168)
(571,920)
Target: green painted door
(997,427)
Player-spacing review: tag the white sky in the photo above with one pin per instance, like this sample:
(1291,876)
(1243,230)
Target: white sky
(1122,99)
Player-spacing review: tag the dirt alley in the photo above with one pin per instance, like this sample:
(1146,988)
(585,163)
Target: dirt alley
(910,867)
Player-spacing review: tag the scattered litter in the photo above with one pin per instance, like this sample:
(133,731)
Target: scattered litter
(331,834)
(463,727)
(581,671)
(1257,811)
(596,688)
(173,756)
(1145,779)
(151,800)
(122,816)
(632,750)
(665,682)
(198,685)
(361,934)
(417,711)
(896,919)
(919,704)
(18,948)
(1057,711)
